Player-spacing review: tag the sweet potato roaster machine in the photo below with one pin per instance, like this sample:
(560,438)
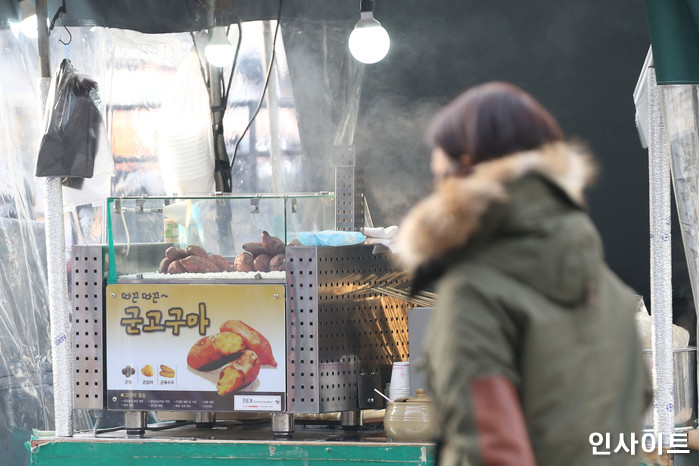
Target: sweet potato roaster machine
(331,327)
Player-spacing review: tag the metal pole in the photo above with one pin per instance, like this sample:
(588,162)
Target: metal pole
(660,266)
(217,105)
(43,39)
(59,309)
(275,157)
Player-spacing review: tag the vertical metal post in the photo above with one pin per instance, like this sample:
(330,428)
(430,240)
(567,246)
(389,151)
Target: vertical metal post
(272,98)
(43,39)
(59,309)
(217,107)
(661,265)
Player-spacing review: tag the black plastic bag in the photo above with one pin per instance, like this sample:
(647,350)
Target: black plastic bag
(73,128)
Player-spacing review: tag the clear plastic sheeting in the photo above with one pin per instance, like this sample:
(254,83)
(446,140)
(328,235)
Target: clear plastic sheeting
(26,400)
(681,111)
(327,85)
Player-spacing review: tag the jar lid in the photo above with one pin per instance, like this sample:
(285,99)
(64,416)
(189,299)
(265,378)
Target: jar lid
(420,397)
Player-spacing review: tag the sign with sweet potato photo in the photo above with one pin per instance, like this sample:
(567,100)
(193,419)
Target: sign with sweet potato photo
(195,346)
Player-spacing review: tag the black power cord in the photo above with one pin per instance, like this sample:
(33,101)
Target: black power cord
(222,165)
(264,89)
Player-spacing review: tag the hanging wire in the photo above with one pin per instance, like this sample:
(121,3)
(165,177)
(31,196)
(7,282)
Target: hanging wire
(201,65)
(235,62)
(264,89)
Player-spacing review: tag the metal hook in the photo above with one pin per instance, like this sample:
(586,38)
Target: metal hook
(70,36)
(59,15)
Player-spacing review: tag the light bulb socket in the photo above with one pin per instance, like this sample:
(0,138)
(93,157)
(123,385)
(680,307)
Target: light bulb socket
(366,5)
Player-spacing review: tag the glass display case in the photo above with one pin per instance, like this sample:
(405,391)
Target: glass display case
(221,230)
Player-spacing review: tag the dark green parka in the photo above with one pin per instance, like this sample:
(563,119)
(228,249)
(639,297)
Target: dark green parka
(524,293)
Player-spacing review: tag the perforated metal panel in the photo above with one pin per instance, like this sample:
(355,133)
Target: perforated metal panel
(302,330)
(88,301)
(349,189)
(340,324)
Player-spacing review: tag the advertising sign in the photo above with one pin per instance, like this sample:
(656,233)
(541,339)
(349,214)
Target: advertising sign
(195,347)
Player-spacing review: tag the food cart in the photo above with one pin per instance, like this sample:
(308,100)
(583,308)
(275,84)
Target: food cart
(324,329)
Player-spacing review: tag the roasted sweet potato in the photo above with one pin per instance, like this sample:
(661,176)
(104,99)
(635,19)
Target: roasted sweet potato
(213,264)
(278,263)
(253,339)
(176,267)
(244,262)
(197,264)
(174,253)
(194,250)
(261,263)
(164,264)
(215,350)
(238,373)
(223,264)
(273,245)
(255,248)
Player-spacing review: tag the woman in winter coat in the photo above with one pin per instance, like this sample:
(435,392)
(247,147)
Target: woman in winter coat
(532,347)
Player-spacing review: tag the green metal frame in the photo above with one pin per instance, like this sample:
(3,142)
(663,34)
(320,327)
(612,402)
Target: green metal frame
(48,452)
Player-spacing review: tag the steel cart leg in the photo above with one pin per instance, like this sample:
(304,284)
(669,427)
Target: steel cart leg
(283,425)
(351,420)
(204,419)
(135,423)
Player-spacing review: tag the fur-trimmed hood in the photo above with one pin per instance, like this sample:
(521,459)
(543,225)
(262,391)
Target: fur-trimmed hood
(449,217)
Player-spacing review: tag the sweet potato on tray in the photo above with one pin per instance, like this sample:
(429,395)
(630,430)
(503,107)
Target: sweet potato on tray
(254,248)
(278,263)
(198,264)
(164,264)
(253,339)
(238,373)
(261,263)
(176,267)
(215,350)
(223,264)
(244,262)
(273,245)
(194,250)
(174,253)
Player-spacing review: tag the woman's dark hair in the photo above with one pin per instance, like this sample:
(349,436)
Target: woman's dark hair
(492,120)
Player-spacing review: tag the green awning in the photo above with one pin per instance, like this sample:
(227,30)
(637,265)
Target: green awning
(9,11)
(163,16)
(674,33)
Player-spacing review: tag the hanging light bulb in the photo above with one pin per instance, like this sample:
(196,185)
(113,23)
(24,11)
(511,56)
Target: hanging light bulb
(219,51)
(369,41)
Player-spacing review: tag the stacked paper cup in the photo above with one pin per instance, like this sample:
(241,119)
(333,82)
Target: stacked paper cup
(186,160)
(185,138)
(400,381)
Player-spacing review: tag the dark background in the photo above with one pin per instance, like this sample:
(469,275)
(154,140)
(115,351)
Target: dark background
(580,59)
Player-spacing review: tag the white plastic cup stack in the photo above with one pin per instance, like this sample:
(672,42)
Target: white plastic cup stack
(400,381)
